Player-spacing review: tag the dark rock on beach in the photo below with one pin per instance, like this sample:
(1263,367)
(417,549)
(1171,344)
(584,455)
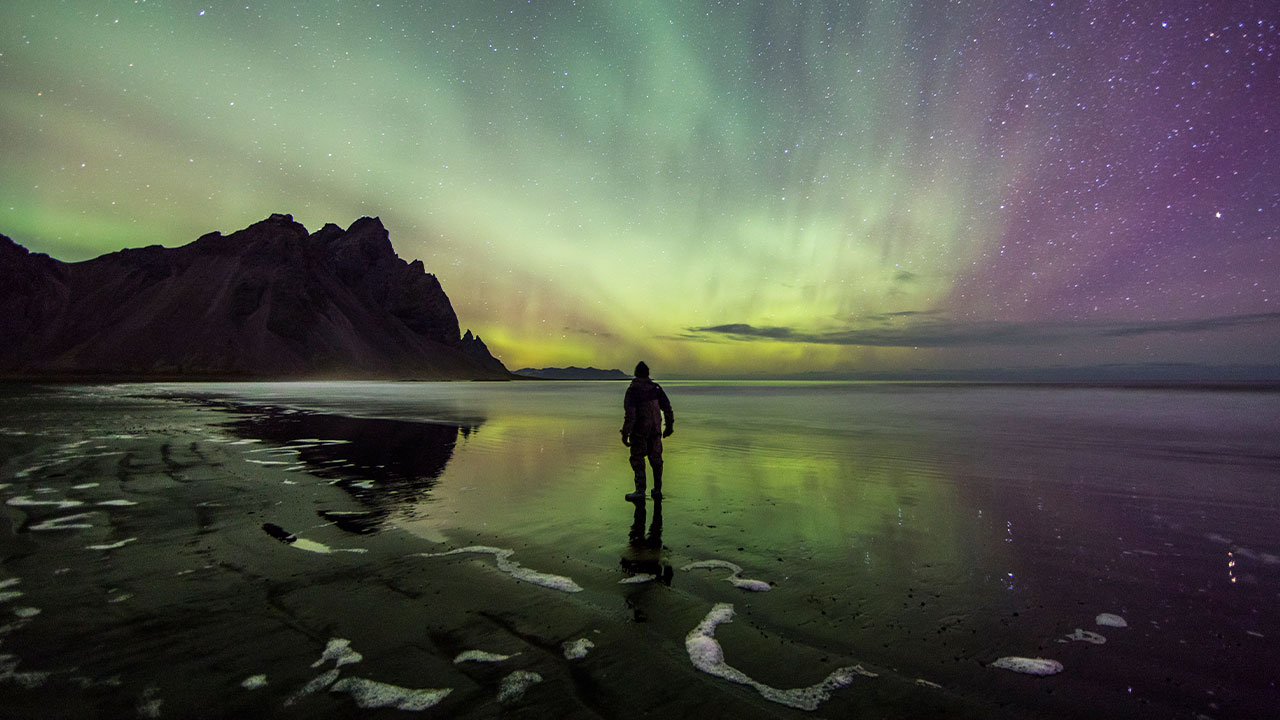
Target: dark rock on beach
(268,301)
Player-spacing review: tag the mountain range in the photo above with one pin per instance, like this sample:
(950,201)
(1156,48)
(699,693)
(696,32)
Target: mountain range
(572,373)
(271,301)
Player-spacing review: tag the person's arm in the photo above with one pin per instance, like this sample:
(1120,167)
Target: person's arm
(668,415)
(628,417)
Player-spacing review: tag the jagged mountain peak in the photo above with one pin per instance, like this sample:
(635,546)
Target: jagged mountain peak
(269,300)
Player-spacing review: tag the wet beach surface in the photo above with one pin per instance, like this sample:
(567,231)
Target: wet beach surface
(329,550)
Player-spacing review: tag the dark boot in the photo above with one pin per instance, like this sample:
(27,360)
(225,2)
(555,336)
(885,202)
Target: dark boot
(657,480)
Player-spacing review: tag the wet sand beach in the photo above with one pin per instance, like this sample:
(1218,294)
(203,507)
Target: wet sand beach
(172,553)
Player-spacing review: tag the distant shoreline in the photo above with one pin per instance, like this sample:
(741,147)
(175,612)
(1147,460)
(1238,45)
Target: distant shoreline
(1197,385)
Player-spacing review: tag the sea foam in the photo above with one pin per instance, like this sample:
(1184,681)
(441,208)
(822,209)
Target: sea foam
(1028,666)
(708,656)
(514,685)
(577,649)
(370,694)
(1081,635)
(112,546)
(24,501)
(9,672)
(320,682)
(339,651)
(514,569)
(66,522)
(1110,620)
(638,579)
(480,656)
(735,579)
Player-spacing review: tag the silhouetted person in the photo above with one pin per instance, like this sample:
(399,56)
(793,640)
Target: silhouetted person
(644,408)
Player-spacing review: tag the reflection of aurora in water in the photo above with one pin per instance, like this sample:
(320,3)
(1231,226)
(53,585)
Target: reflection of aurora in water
(765,483)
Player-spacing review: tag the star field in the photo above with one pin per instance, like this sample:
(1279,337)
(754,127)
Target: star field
(716,187)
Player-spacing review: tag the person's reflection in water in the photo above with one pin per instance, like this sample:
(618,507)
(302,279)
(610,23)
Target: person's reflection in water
(645,554)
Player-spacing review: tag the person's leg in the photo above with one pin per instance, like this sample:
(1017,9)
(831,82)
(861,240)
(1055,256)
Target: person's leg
(655,460)
(638,446)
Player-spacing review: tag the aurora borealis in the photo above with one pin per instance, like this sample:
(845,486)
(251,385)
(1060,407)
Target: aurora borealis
(718,187)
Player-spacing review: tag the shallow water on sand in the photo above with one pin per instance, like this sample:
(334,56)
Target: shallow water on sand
(882,547)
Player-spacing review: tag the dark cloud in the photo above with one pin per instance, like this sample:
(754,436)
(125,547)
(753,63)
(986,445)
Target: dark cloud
(891,316)
(945,333)
(585,331)
(772,333)
(1225,322)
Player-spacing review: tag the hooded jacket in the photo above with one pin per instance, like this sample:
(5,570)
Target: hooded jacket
(645,407)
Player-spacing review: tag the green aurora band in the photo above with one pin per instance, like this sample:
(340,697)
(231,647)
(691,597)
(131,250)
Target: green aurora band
(599,182)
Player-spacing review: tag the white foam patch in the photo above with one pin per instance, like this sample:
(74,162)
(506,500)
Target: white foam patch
(112,546)
(1028,666)
(116,503)
(1085,636)
(370,694)
(15,625)
(85,683)
(310,546)
(26,612)
(577,649)
(85,486)
(637,579)
(24,501)
(514,685)
(302,543)
(514,569)
(320,682)
(708,656)
(26,472)
(9,673)
(735,579)
(254,682)
(480,656)
(1110,620)
(149,703)
(339,651)
(929,684)
(67,522)
(7,595)
(267,462)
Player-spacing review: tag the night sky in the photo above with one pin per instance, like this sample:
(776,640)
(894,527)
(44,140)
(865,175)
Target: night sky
(719,188)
